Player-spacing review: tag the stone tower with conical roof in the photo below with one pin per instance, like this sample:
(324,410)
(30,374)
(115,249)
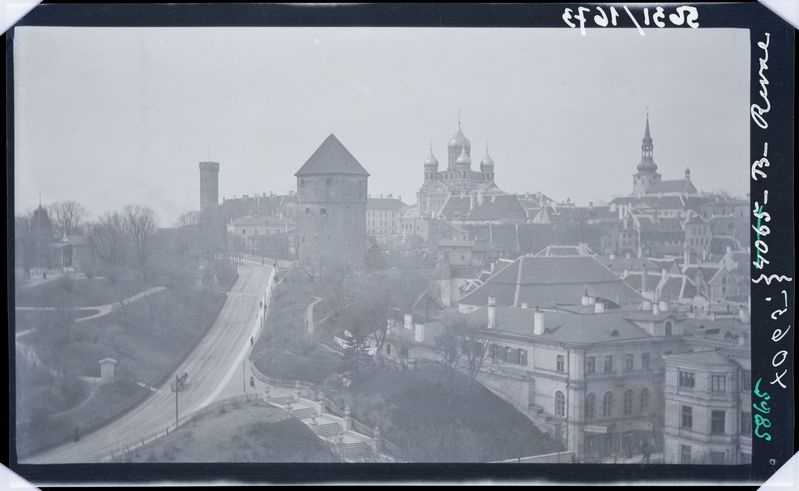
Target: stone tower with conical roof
(331,218)
(647,168)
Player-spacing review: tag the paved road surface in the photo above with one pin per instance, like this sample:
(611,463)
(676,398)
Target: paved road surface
(211,367)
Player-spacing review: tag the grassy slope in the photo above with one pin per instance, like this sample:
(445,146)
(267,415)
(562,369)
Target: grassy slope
(284,352)
(412,409)
(250,433)
(85,292)
(142,350)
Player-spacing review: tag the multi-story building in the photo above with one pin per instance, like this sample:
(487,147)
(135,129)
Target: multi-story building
(332,196)
(708,406)
(384,218)
(590,375)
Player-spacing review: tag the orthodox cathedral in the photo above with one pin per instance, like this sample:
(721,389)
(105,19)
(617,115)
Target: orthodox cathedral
(458,179)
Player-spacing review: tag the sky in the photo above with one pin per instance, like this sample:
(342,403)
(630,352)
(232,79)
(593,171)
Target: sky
(116,116)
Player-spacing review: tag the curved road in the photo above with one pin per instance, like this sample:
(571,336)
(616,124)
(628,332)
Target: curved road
(210,367)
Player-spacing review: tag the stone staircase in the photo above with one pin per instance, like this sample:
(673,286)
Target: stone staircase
(328,430)
(356,450)
(350,445)
(301,411)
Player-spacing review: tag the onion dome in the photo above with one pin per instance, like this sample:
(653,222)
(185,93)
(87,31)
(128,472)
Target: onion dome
(431,164)
(463,159)
(460,140)
(487,160)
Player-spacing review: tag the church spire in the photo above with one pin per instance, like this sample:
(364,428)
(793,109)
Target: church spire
(647,136)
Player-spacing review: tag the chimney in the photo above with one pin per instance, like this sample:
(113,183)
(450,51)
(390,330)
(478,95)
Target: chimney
(538,322)
(729,250)
(646,305)
(741,339)
(492,266)
(408,322)
(643,280)
(583,248)
(664,306)
(599,307)
(525,305)
(491,312)
(612,256)
(655,308)
(664,273)
(624,274)
(586,299)
(621,215)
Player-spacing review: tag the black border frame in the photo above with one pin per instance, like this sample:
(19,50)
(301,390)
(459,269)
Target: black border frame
(747,15)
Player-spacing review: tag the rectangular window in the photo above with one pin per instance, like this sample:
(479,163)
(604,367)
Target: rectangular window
(628,363)
(746,380)
(687,417)
(608,367)
(687,379)
(560,363)
(590,364)
(746,424)
(685,454)
(718,383)
(717,422)
(523,357)
(645,361)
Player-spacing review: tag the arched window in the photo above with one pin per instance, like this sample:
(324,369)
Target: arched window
(668,328)
(607,405)
(644,401)
(628,403)
(590,406)
(560,404)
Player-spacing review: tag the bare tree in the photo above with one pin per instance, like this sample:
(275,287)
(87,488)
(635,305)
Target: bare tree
(472,341)
(188,219)
(67,216)
(141,224)
(106,237)
(369,314)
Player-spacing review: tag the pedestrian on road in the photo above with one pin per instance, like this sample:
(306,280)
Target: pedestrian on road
(252,340)
(252,381)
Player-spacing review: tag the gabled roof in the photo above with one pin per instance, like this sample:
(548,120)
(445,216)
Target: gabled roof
(498,207)
(546,281)
(682,186)
(331,158)
(393,204)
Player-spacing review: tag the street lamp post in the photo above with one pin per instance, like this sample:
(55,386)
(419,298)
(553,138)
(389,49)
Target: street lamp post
(177,389)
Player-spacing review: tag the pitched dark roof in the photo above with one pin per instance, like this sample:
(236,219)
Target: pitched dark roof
(331,158)
(546,281)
